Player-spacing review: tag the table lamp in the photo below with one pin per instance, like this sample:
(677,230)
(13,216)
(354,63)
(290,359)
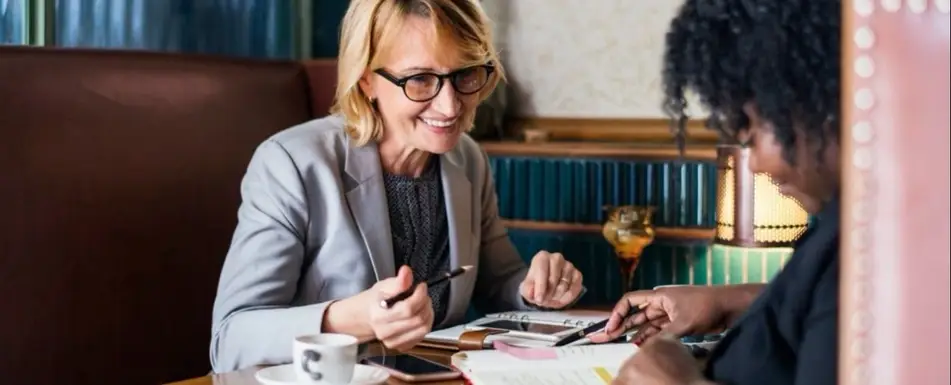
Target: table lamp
(756,225)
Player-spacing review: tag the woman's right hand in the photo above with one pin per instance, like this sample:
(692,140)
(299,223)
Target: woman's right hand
(678,310)
(399,327)
(403,325)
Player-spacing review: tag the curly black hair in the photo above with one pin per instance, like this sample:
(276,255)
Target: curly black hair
(782,55)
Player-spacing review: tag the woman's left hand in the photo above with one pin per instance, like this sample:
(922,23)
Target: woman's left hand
(552,281)
(661,360)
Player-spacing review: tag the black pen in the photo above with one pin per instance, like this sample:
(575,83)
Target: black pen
(594,328)
(386,304)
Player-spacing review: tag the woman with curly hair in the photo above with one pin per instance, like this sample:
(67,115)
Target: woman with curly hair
(768,73)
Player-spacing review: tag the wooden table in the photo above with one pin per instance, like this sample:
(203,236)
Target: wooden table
(246,376)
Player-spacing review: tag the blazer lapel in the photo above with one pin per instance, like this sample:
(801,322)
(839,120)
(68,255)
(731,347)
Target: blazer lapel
(457,191)
(366,197)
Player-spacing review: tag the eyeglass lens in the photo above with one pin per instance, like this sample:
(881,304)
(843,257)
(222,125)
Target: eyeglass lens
(466,81)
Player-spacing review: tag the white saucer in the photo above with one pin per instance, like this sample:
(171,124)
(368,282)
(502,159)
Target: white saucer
(284,375)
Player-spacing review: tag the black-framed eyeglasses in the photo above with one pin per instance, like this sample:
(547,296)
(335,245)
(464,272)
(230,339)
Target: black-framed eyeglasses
(423,87)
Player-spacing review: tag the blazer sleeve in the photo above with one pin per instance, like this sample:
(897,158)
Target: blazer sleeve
(818,352)
(253,320)
(501,269)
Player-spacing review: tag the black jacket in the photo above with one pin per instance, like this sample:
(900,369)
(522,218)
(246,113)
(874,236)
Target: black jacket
(789,336)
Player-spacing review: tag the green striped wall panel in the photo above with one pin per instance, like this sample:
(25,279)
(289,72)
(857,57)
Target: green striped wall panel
(709,265)
(574,190)
(733,265)
(325,33)
(663,262)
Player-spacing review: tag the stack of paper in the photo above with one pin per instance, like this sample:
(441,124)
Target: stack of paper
(577,365)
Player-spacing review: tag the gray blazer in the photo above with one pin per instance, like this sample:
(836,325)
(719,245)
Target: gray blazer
(313,227)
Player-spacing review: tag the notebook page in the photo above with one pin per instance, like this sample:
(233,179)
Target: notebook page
(593,376)
(573,357)
(451,336)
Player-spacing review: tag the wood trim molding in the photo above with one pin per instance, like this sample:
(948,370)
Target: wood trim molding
(677,233)
(705,152)
(602,129)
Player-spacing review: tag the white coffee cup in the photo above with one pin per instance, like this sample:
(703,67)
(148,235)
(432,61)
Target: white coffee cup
(325,359)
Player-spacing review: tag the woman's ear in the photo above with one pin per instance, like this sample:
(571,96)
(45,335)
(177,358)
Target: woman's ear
(366,86)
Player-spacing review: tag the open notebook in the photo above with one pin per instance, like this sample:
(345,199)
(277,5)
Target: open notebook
(566,322)
(576,318)
(577,365)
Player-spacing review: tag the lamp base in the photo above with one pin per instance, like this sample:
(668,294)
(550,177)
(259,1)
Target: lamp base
(627,266)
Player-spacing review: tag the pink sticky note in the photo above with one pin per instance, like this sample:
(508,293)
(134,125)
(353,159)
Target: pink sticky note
(525,353)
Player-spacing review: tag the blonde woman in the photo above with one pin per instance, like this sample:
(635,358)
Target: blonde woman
(342,212)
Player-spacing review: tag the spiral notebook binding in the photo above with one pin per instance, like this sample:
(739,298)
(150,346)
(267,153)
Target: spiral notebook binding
(510,316)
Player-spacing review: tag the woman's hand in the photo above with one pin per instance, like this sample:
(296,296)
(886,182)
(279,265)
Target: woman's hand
(552,281)
(661,361)
(399,327)
(405,324)
(678,310)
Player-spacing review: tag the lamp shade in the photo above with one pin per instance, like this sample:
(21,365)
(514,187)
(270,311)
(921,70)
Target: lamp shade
(751,211)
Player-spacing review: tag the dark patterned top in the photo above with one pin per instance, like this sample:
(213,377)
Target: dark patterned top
(420,229)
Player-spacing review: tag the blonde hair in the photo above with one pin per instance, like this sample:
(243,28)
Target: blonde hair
(368,30)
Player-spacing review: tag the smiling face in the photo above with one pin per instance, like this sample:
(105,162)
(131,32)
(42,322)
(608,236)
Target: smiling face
(812,180)
(425,92)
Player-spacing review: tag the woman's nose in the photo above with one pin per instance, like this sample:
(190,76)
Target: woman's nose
(446,101)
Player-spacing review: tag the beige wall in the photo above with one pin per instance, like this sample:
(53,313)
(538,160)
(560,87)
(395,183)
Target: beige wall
(587,58)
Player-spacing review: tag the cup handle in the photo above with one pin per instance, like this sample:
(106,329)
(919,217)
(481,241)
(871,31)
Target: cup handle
(308,357)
